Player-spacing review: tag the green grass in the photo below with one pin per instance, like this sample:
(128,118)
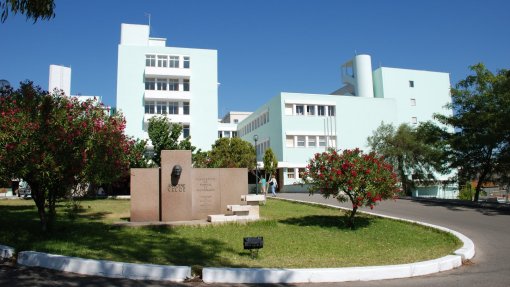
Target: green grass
(295,236)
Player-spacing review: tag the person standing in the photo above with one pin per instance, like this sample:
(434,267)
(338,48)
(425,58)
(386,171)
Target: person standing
(273,184)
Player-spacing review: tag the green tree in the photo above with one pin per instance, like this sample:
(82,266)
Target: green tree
(164,135)
(54,143)
(270,162)
(32,9)
(481,115)
(408,150)
(230,153)
(363,179)
(137,156)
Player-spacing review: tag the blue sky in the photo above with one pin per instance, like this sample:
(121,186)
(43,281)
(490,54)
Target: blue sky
(264,47)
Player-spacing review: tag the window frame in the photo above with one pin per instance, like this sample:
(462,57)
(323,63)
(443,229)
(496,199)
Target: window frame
(173,107)
(150,60)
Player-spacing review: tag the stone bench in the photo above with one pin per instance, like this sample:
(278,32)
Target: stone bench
(253,199)
(222,218)
(250,211)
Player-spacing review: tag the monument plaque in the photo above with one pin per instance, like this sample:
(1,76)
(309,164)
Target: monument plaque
(178,192)
(206,192)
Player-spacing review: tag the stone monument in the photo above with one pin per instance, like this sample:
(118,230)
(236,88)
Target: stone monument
(178,192)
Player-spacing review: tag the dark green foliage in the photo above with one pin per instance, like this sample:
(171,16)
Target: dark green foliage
(480,145)
(270,162)
(227,153)
(414,152)
(165,136)
(32,9)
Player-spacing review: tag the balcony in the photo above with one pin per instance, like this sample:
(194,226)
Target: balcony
(159,71)
(166,95)
(184,119)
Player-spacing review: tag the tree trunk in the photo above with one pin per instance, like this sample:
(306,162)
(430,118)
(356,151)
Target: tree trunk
(39,199)
(479,184)
(350,219)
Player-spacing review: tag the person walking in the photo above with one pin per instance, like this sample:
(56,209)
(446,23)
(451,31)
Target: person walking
(263,184)
(273,184)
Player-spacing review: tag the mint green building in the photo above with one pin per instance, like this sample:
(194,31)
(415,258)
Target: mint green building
(296,126)
(179,83)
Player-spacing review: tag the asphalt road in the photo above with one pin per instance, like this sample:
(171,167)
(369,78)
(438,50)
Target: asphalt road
(488,228)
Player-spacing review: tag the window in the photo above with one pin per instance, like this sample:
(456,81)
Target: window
(300,110)
(162,61)
(173,84)
(301,141)
(321,110)
(227,134)
(173,108)
(331,111)
(414,120)
(185,108)
(174,62)
(161,108)
(150,84)
(236,121)
(322,141)
(289,142)
(291,173)
(149,107)
(312,141)
(411,84)
(234,134)
(301,171)
(185,131)
(161,84)
(150,60)
(310,110)
(220,134)
(413,102)
(186,63)
(185,85)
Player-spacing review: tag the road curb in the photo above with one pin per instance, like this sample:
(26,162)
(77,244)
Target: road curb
(104,268)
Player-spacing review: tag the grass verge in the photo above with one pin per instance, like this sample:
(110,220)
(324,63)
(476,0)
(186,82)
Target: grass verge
(295,236)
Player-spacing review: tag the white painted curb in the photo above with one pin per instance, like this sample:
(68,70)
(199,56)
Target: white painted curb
(320,275)
(104,268)
(6,252)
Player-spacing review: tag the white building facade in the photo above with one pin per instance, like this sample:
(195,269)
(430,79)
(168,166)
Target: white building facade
(296,126)
(156,80)
(227,126)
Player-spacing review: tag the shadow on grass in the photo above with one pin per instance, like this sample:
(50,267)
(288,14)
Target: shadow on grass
(97,240)
(327,221)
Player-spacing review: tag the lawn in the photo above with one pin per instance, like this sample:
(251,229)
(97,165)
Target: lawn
(295,236)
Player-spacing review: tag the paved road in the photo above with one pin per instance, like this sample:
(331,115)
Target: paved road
(488,228)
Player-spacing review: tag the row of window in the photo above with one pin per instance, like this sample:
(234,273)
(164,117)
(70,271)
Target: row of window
(227,134)
(291,172)
(167,61)
(261,148)
(255,124)
(310,141)
(309,110)
(164,84)
(166,108)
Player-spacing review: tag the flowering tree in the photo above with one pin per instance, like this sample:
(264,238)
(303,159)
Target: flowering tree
(364,179)
(55,142)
